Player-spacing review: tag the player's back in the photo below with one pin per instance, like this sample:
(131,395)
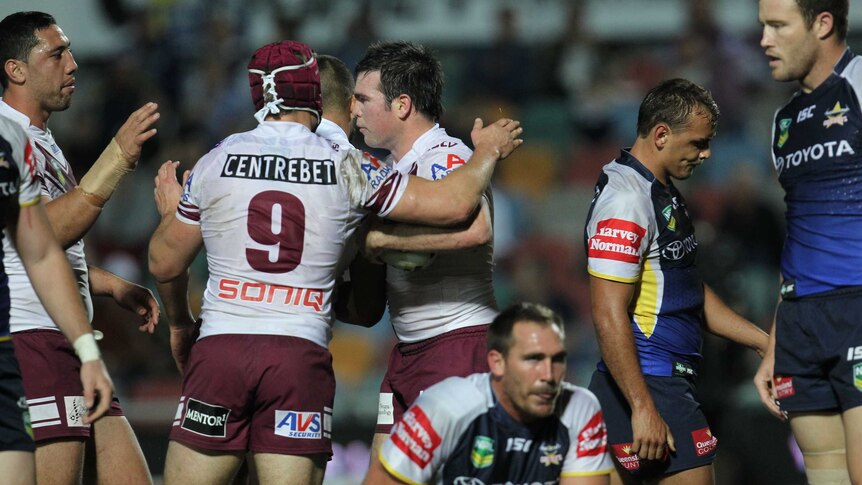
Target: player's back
(274,212)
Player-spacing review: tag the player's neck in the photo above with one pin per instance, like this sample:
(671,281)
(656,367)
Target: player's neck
(412,131)
(340,119)
(649,159)
(507,404)
(27,106)
(823,66)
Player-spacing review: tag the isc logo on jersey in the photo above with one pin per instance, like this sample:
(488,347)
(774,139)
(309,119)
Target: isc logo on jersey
(301,424)
(618,240)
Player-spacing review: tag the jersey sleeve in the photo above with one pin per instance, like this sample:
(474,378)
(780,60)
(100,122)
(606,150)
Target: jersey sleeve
(188,210)
(618,235)
(372,185)
(30,191)
(427,434)
(588,453)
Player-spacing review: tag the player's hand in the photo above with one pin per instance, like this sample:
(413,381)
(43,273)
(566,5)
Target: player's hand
(651,435)
(98,389)
(183,336)
(763,382)
(139,300)
(137,129)
(366,235)
(503,136)
(168,191)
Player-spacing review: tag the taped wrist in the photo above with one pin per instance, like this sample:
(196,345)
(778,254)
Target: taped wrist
(100,181)
(86,348)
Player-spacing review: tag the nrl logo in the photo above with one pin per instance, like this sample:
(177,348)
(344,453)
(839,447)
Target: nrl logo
(836,116)
(482,455)
(671,220)
(857,376)
(784,134)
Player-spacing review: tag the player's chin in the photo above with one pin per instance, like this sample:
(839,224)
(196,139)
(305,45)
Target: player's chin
(542,405)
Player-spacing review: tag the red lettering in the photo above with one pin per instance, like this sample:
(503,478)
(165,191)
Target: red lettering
(618,240)
(453,160)
(228,289)
(261,291)
(593,437)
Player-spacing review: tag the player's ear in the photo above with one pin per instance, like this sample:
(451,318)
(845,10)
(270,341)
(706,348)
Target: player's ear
(402,105)
(497,363)
(824,25)
(14,71)
(660,134)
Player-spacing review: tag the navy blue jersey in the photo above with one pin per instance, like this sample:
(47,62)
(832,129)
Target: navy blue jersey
(18,188)
(816,148)
(457,432)
(639,231)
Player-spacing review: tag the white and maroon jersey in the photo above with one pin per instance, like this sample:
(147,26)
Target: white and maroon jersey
(275,206)
(457,432)
(18,188)
(55,176)
(455,290)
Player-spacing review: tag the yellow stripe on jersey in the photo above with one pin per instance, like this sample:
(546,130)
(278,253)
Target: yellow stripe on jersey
(391,470)
(30,203)
(606,471)
(648,299)
(6,338)
(618,279)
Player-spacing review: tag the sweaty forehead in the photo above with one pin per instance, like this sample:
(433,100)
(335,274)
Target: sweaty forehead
(51,38)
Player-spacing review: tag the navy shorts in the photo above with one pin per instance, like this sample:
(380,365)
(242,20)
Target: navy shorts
(15,431)
(677,404)
(261,393)
(818,352)
(417,366)
(52,383)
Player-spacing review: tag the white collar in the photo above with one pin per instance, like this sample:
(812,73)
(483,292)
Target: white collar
(14,114)
(421,145)
(332,132)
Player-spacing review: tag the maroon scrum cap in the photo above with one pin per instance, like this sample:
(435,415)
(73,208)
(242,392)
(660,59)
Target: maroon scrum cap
(284,75)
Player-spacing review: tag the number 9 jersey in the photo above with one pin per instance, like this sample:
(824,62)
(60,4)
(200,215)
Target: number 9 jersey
(276,205)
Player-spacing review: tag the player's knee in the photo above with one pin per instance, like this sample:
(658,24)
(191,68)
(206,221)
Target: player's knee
(828,476)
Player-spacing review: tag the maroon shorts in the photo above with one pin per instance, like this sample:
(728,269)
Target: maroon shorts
(416,366)
(52,383)
(262,393)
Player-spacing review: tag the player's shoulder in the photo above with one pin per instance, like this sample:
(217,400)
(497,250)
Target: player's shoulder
(437,144)
(624,186)
(11,131)
(463,397)
(852,72)
(576,404)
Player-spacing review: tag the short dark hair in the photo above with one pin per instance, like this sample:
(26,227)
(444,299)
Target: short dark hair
(500,330)
(407,68)
(840,10)
(18,37)
(336,84)
(673,102)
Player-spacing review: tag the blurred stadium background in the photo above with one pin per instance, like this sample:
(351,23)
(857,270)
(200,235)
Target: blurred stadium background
(573,71)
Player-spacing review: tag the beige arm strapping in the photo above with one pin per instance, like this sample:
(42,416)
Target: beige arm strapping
(100,181)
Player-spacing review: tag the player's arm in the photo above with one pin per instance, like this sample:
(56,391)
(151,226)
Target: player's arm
(763,378)
(610,303)
(377,475)
(455,198)
(173,247)
(72,214)
(603,479)
(128,295)
(51,276)
(720,320)
(411,237)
